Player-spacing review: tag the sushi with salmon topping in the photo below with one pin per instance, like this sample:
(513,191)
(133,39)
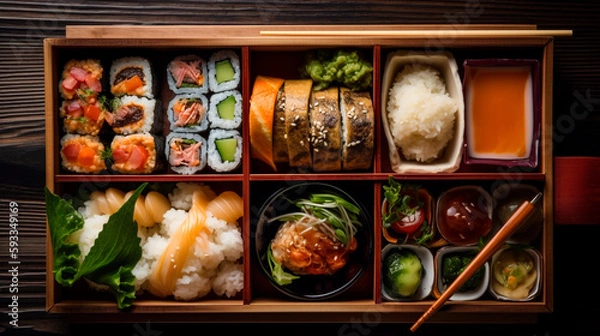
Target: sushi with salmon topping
(138,153)
(82,154)
(81,79)
(187,74)
(131,76)
(82,117)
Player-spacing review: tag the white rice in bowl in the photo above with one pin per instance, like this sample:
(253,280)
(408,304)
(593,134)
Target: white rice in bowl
(421,113)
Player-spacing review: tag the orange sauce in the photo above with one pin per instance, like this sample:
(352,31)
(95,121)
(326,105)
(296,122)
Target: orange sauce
(500,112)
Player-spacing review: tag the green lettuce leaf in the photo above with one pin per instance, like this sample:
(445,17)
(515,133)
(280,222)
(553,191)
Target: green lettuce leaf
(63,220)
(114,254)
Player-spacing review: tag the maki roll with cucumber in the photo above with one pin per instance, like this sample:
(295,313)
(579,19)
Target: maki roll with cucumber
(223,70)
(186,152)
(187,74)
(225,110)
(224,150)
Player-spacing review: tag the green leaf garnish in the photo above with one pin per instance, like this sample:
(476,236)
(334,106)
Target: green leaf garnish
(278,274)
(111,259)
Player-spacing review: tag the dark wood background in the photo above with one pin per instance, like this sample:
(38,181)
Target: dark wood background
(24,24)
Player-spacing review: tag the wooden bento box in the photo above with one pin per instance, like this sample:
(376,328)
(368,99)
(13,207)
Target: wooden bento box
(279,56)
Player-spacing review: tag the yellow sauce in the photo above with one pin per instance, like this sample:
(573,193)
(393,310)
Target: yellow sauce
(499,112)
(514,274)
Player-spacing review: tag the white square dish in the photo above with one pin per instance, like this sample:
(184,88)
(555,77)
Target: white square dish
(449,157)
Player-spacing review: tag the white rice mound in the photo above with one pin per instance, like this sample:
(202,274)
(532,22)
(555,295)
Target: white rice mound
(421,113)
(218,270)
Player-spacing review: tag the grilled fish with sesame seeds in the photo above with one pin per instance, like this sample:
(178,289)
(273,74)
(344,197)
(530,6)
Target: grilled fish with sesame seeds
(326,130)
(297,95)
(280,147)
(358,122)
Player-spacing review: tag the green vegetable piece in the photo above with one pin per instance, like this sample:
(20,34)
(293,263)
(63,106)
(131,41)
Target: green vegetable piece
(113,256)
(226,108)
(402,272)
(453,265)
(343,67)
(280,276)
(227,148)
(224,71)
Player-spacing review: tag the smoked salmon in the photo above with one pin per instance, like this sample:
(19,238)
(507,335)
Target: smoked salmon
(262,107)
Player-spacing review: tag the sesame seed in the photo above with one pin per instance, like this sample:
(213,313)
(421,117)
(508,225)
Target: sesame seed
(302,142)
(297,117)
(316,150)
(285,136)
(293,124)
(316,104)
(282,118)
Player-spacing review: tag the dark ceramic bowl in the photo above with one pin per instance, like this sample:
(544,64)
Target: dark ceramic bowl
(312,287)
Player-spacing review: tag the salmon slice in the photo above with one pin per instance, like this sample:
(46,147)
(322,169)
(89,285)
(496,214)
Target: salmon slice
(262,108)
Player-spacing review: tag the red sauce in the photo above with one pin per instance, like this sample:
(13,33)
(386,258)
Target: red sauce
(463,216)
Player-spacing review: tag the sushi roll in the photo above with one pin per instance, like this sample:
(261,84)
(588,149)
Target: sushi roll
(82,154)
(81,79)
(187,74)
(223,71)
(133,114)
(187,113)
(225,110)
(186,152)
(131,76)
(137,153)
(224,150)
(82,117)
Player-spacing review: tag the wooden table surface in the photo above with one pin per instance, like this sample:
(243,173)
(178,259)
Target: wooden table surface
(24,24)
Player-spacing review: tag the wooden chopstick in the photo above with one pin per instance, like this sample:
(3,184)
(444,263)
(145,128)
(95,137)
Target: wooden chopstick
(518,217)
(425,33)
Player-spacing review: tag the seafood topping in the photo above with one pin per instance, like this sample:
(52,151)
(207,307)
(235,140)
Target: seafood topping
(188,72)
(188,112)
(184,153)
(318,240)
(129,73)
(303,248)
(127,114)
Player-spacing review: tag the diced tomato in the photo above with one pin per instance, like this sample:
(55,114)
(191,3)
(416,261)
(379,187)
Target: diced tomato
(92,112)
(409,224)
(120,156)
(74,109)
(132,83)
(71,151)
(70,83)
(93,83)
(86,157)
(78,73)
(138,157)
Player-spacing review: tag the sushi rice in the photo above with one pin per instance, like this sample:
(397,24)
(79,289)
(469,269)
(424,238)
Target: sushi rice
(146,90)
(216,121)
(214,158)
(219,270)
(182,166)
(216,57)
